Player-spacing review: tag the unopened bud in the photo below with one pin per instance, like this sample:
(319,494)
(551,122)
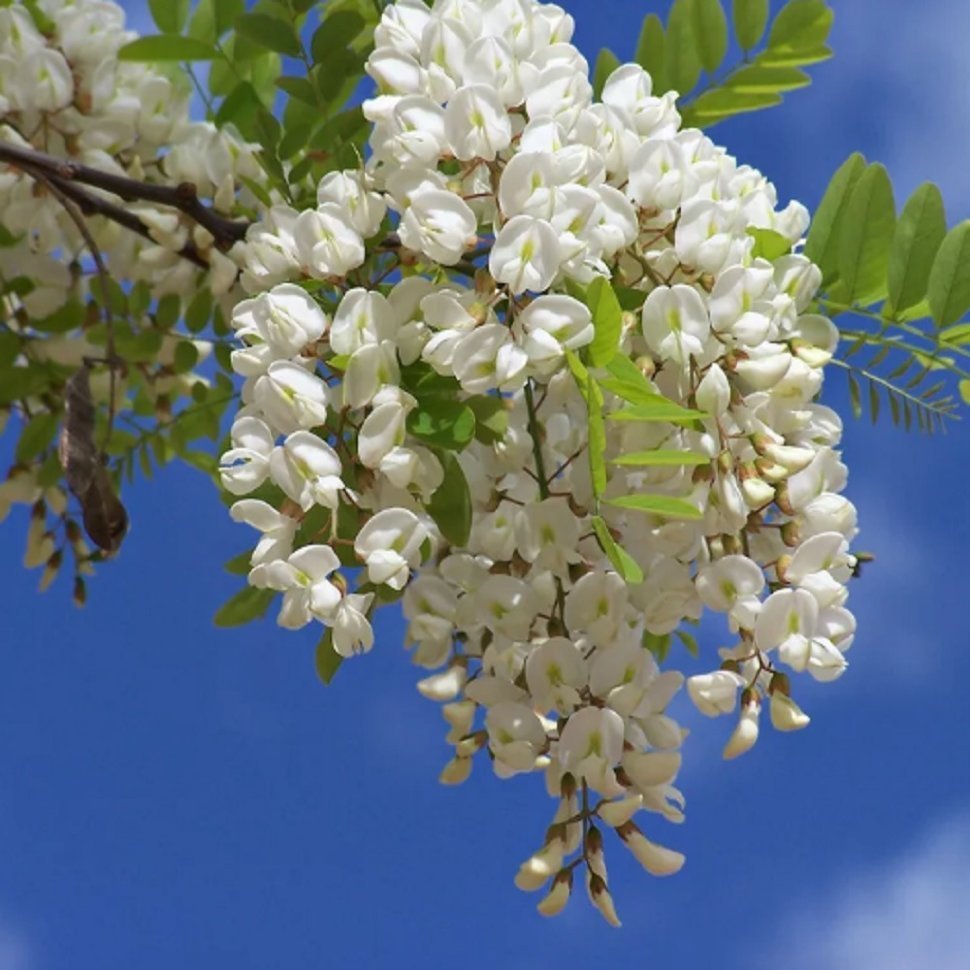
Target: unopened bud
(80,595)
(536,871)
(745,734)
(656,859)
(786,715)
(555,902)
(616,813)
(783,501)
(456,771)
(791,534)
(602,899)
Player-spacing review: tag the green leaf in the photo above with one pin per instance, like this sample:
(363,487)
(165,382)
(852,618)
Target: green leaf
(801,25)
(169,15)
(239,565)
(247,605)
(451,504)
(750,21)
(650,51)
(822,245)
(662,410)
(949,283)
(957,335)
(683,63)
(168,47)
(722,103)
(328,661)
(186,356)
(9,351)
(636,392)
(866,237)
(19,383)
(335,33)
(688,641)
(623,369)
(662,505)
(446,424)
(661,457)
(37,435)
(855,396)
(606,63)
(760,79)
(299,88)
(625,565)
(607,321)
(709,24)
(491,418)
(657,643)
(270,33)
(596,446)
(769,244)
(226,12)
(919,233)
(965,391)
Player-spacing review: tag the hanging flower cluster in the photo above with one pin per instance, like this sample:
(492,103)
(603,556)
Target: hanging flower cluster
(550,371)
(64,92)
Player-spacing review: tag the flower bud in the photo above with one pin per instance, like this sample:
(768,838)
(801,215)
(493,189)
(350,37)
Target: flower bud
(656,859)
(602,900)
(619,812)
(745,734)
(555,902)
(786,715)
(536,871)
(456,771)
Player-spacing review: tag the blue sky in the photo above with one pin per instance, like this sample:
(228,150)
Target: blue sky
(172,795)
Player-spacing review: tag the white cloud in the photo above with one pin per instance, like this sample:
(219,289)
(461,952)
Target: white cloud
(15,949)
(909,913)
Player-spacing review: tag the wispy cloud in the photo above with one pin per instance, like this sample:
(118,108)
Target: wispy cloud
(908,913)
(16,952)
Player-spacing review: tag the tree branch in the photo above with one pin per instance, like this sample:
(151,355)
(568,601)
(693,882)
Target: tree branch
(183,197)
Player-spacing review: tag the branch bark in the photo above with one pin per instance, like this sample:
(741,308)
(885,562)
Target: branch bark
(69,176)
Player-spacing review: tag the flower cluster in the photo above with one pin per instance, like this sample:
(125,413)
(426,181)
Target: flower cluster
(63,91)
(531,368)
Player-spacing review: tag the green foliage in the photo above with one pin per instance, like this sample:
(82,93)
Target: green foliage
(750,21)
(451,504)
(891,274)
(167,47)
(948,287)
(607,322)
(442,423)
(919,233)
(696,42)
(625,565)
(328,661)
(245,606)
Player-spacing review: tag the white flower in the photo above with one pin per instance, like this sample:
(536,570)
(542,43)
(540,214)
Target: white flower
(303,578)
(715,693)
(390,545)
(515,737)
(352,631)
(348,190)
(590,745)
(245,466)
(555,672)
(675,322)
(327,242)
(308,470)
(438,224)
(525,254)
(290,397)
(476,123)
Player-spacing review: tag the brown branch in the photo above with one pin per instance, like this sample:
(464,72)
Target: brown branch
(183,197)
(77,217)
(96,205)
